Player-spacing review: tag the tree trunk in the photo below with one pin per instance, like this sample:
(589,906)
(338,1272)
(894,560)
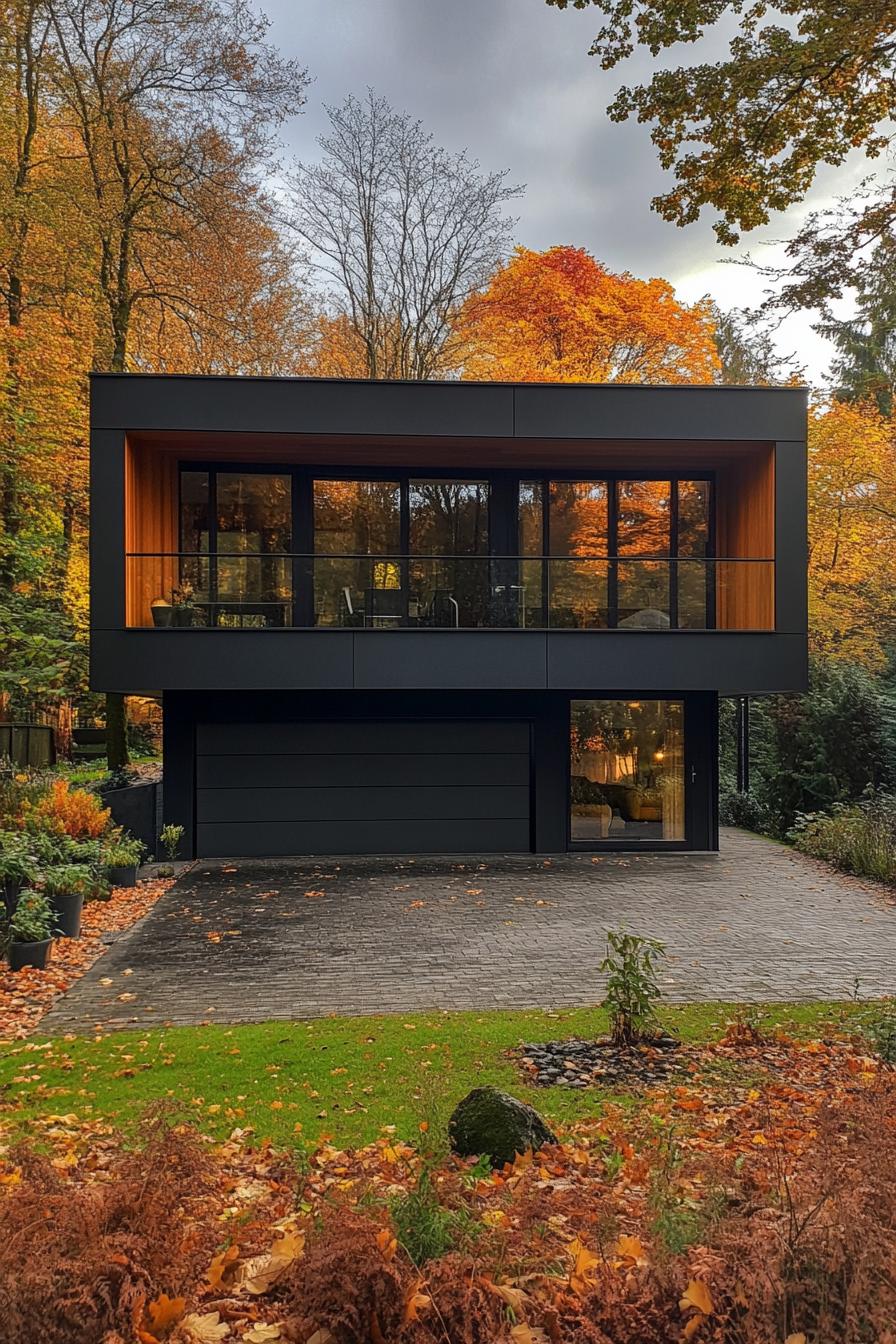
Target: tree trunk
(117,756)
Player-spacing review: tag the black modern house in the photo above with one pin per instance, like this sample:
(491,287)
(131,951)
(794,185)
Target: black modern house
(393,618)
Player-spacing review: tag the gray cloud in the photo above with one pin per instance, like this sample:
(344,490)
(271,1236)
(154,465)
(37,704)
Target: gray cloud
(511,81)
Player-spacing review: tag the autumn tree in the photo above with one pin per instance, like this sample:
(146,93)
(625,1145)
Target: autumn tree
(852,532)
(173,103)
(747,352)
(864,363)
(560,316)
(804,83)
(401,232)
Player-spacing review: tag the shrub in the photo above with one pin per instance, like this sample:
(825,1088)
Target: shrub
(68,811)
(32,921)
(879,1025)
(745,810)
(72,879)
(858,839)
(122,851)
(18,862)
(632,989)
(171,837)
(811,751)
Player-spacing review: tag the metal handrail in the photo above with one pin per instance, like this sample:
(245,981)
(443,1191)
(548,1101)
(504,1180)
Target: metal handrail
(395,555)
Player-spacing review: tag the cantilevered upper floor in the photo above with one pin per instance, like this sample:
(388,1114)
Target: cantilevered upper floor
(266,533)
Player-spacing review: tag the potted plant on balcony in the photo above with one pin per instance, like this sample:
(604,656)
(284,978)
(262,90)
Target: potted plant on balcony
(162,611)
(122,859)
(67,887)
(182,609)
(29,932)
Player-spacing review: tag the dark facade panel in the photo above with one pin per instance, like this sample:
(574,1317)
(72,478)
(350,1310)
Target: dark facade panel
(144,662)
(300,406)
(107,532)
(619,411)
(141,662)
(450,659)
(363,837)
(791,537)
(728,662)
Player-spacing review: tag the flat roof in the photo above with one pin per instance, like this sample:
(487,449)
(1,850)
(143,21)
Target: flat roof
(222,404)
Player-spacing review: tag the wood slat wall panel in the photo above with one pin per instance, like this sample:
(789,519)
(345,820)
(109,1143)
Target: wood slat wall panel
(746,528)
(151,493)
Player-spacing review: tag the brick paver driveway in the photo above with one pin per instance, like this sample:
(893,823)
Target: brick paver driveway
(254,940)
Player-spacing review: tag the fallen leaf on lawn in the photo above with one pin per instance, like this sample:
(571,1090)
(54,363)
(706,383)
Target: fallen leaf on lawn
(697,1296)
(585,1261)
(207,1329)
(415,1301)
(693,1325)
(515,1298)
(260,1334)
(630,1248)
(795,1339)
(223,1267)
(387,1243)
(164,1311)
(322,1336)
(259,1274)
(529,1334)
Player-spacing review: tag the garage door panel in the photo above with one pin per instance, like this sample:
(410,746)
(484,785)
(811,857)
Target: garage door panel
(359,804)
(350,737)
(297,771)
(490,836)
(363,787)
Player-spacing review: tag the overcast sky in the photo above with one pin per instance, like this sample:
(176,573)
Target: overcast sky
(511,81)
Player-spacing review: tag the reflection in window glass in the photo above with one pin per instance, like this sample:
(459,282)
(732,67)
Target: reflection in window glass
(578,518)
(531,504)
(627,770)
(448,517)
(194,510)
(448,522)
(644,522)
(357,517)
(357,540)
(254,535)
(695,577)
(577,535)
(644,517)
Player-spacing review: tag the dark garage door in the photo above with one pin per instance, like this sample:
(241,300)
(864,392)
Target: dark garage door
(419,787)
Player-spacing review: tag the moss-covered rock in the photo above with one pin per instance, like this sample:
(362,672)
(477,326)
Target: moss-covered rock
(490,1122)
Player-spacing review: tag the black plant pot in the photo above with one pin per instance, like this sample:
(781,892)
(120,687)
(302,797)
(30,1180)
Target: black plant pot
(124,876)
(161,616)
(182,615)
(68,914)
(29,954)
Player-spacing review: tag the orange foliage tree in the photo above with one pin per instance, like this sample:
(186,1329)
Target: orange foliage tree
(560,316)
(852,532)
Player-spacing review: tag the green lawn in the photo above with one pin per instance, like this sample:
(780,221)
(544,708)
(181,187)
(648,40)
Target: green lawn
(340,1077)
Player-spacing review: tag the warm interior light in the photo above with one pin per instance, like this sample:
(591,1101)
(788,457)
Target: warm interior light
(659,755)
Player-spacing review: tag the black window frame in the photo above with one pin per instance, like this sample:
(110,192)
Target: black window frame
(503,520)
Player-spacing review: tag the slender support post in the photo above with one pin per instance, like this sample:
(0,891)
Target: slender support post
(743,744)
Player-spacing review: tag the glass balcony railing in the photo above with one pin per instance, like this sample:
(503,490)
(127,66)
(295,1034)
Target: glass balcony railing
(385,592)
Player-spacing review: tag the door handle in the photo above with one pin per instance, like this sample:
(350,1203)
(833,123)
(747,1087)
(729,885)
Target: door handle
(693,774)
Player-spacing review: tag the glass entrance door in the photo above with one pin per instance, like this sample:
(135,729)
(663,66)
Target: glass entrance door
(627,772)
